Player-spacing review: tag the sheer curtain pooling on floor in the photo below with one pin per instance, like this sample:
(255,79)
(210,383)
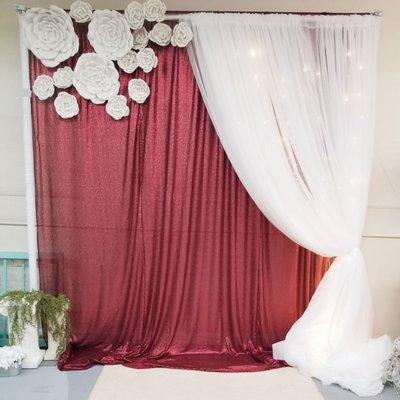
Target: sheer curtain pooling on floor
(292,99)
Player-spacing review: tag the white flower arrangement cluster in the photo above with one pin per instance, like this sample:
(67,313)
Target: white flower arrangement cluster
(11,357)
(115,37)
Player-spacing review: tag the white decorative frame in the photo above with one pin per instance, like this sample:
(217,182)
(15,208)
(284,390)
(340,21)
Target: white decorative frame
(28,156)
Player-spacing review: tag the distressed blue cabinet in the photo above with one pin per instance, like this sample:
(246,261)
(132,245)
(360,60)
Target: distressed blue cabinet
(14,275)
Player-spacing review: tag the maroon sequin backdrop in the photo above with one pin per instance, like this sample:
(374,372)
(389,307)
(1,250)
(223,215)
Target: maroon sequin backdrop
(145,226)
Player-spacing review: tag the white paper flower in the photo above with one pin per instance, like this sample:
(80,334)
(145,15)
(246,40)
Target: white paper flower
(128,63)
(161,34)
(109,34)
(81,11)
(134,15)
(95,78)
(66,105)
(154,10)
(147,59)
(182,35)
(49,34)
(43,87)
(11,356)
(117,107)
(140,39)
(62,78)
(138,90)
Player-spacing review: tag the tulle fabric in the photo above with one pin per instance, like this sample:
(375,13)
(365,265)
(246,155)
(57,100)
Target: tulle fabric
(292,99)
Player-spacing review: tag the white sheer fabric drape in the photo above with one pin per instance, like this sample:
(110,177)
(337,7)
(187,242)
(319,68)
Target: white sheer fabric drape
(292,100)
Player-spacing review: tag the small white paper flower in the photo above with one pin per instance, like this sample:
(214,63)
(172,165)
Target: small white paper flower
(62,78)
(147,59)
(49,34)
(66,105)
(81,11)
(43,87)
(138,90)
(154,10)
(117,107)
(182,35)
(128,63)
(161,34)
(134,15)
(109,34)
(11,357)
(95,78)
(140,39)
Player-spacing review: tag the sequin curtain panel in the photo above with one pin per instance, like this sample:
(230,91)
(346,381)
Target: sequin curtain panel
(145,226)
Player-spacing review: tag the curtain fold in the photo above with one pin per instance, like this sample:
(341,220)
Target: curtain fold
(292,100)
(145,226)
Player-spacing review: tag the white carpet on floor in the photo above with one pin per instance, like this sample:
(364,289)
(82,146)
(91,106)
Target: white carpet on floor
(121,383)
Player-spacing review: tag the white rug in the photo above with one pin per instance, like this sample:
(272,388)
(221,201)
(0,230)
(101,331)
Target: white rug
(121,383)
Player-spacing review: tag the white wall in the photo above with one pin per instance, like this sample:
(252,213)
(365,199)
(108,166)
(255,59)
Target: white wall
(381,244)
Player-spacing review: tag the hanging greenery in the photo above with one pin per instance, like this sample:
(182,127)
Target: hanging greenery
(21,312)
(52,311)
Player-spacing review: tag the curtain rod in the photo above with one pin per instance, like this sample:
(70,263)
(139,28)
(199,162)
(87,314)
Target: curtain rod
(376,13)
(21,8)
(182,15)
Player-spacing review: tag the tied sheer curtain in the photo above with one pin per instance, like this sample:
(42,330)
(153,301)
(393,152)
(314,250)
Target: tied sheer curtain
(292,100)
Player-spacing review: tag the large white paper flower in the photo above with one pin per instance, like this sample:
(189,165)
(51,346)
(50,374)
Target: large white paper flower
(128,63)
(138,90)
(109,34)
(134,15)
(49,34)
(95,78)
(117,107)
(66,105)
(154,10)
(161,34)
(81,11)
(182,35)
(140,39)
(43,87)
(62,78)
(147,59)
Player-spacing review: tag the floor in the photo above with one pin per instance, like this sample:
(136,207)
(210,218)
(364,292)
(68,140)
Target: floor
(47,383)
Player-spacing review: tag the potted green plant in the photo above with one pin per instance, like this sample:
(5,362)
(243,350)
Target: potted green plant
(26,311)
(23,312)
